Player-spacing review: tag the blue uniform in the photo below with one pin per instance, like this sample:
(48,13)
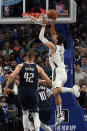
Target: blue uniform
(5,109)
(44,104)
(28,96)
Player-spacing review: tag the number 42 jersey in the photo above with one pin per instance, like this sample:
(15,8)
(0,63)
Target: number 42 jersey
(29,76)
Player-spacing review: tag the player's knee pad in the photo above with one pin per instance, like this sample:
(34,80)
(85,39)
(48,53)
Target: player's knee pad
(45,127)
(36,119)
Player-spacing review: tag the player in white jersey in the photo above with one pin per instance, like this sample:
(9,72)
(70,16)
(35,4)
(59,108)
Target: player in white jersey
(59,75)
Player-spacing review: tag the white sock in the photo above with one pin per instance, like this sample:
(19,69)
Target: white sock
(37,129)
(36,121)
(66,90)
(45,127)
(26,130)
(59,113)
(25,120)
(27,125)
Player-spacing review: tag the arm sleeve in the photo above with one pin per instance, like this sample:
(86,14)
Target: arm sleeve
(41,36)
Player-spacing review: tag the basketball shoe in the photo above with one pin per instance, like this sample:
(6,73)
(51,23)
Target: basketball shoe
(59,120)
(76,91)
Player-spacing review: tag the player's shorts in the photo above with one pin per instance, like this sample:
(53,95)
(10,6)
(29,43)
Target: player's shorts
(28,99)
(59,77)
(45,114)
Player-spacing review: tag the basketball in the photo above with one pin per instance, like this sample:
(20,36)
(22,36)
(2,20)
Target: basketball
(52,14)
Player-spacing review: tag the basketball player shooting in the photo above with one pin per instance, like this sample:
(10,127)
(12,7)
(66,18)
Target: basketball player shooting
(59,75)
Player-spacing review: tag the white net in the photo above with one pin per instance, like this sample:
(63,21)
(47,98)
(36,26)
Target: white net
(36,19)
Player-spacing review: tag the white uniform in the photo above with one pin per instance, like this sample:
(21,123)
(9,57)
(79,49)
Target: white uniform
(59,75)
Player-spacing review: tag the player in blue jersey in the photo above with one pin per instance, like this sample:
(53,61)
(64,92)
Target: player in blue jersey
(45,107)
(27,91)
(44,95)
(59,75)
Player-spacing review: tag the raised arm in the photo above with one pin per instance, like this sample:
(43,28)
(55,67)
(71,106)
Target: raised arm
(44,75)
(46,42)
(11,77)
(53,32)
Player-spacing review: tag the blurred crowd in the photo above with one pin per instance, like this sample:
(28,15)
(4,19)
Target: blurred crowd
(79,35)
(16,39)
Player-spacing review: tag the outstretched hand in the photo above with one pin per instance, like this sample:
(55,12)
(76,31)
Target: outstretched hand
(44,21)
(53,21)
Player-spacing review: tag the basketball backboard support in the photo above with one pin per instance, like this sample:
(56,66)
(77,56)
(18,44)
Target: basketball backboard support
(11,10)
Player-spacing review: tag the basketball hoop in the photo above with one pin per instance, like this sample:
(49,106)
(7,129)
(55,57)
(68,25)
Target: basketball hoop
(34,17)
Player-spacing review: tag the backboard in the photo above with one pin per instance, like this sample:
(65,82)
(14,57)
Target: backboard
(11,10)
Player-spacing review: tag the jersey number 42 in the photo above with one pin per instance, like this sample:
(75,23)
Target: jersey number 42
(29,77)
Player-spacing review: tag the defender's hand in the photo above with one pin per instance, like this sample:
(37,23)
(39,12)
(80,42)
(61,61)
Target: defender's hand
(44,20)
(53,21)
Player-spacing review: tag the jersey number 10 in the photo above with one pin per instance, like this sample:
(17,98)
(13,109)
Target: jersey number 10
(42,95)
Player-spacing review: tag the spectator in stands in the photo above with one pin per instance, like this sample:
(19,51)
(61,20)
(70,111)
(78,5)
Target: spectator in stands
(85,51)
(0,87)
(1,69)
(0,52)
(84,64)
(4,106)
(20,59)
(79,74)
(2,118)
(77,58)
(39,61)
(16,46)
(81,51)
(83,94)
(82,43)
(84,38)
(6,60)
(24,43)
(5,78)
(47,68)
(76,43)
(5,72)
(1,39)
(12,99)
(6,49)
(12,56)
(13,65)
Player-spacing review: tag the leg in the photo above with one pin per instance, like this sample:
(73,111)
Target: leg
(25,120)
(57,83)
(58,101)
(45,127)
(36,121)
(27,124)
(74,90)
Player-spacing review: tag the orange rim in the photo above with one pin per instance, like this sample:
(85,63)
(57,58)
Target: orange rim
(37,15)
